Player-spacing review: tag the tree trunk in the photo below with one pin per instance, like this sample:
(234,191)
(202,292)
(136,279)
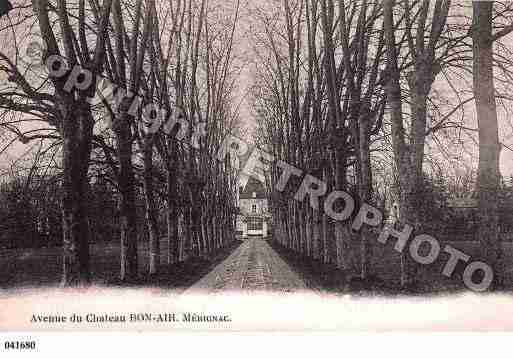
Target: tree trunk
(365,190)
(488,171)
(151,213)
(401,155)
(77,132)
(172,217)
(127,209)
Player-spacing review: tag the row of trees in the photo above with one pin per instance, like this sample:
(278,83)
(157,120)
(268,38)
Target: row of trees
(344,86)
(177,57)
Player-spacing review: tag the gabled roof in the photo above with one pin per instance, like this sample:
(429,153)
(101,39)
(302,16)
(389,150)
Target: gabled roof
(252,186)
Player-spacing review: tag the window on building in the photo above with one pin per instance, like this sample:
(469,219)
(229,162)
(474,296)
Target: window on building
(255,224)
(253,208)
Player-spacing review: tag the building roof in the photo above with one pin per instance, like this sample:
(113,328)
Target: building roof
(253,185)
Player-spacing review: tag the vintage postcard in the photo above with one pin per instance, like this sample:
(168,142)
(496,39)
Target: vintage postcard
(235,165)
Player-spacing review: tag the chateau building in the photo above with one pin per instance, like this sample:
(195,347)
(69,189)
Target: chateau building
(254,217)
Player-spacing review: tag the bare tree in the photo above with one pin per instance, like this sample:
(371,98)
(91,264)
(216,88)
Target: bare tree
(73,117)
(489,147)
